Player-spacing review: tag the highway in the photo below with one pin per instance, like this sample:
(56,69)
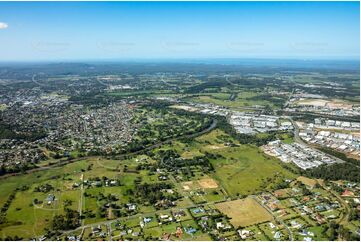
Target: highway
(297,139)
(289,98)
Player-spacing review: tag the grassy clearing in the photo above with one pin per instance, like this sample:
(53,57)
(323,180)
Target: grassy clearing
(235,170)
(307,181)
(244,212)
(242,99)
(33,219)
(23,215)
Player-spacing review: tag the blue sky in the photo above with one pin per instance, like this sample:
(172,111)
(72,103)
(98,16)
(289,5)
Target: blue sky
(122,30)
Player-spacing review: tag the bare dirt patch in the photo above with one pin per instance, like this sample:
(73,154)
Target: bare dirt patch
(333,104)
(190,154)
(215,147)
(336,104)
(184,107)
(187,185)
(208,183)
(354,155)
(68,185)
(313,102)
(281,193)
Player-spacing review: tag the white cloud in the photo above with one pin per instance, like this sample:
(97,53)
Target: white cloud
(3,25)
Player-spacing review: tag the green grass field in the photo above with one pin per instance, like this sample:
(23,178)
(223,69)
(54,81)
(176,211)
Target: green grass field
(236,170)
(243,99)
(33,219)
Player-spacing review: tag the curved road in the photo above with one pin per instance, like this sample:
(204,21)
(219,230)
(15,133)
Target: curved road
(300,141)
(345,215)
(189,136)
(65,162)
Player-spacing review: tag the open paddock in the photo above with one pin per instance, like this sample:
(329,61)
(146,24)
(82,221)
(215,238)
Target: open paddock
(208,183)
(244,212)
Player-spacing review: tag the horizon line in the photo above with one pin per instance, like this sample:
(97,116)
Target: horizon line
(150,59)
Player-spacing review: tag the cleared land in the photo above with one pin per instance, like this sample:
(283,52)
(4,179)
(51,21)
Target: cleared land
(208,183)
(243,99)
(335,103)
(235,168)
(307,181)
(313,102)
(244,212)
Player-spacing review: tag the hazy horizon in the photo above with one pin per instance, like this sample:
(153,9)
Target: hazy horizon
(117,31)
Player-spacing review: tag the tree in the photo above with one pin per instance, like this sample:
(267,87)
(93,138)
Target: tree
(68,221)
(268,109)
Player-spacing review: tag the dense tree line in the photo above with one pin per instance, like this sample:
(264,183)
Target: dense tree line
(70,220)
(8,132)
(91,98)
(338,232)
(152,193)
(244,138)
(44,188)
(6,206)
(14,238)
(249,83)
(339,171)
(340,155)
(310,117)
(349,92)
(350,170)
(199,88)
(354,214)
(278,101)
(15,168)
(172,162)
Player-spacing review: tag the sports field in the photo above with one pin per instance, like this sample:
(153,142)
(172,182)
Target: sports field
(244,212)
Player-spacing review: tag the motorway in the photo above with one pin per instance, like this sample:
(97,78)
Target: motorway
(289,98)
(297,139)
(297,131)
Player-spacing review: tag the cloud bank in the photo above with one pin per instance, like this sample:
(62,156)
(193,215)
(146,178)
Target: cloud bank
(3,25)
